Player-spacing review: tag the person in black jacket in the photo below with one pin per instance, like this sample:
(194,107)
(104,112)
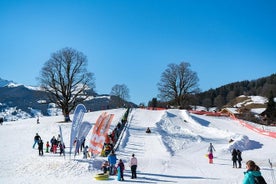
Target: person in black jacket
(36,139)
(239,157)
(234,158)
(1,120)
(40,147)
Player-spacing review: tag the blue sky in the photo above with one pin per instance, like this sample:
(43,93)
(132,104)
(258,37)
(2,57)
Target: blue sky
(132,42)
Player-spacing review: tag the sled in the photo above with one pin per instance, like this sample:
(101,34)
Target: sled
(102,176)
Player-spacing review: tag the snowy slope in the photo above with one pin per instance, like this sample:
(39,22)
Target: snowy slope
(173,153)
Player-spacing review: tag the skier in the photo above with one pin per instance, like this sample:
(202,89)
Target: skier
(36,139)
(234,158)
(148,130)
(239,157)
(112,159)
(120,169)
(133,166)
(40,147)
(253,174)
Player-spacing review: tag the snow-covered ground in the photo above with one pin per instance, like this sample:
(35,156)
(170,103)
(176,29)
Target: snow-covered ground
(173,153)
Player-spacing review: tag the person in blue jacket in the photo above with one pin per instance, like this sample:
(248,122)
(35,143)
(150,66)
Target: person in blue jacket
(112,159)
(252,174)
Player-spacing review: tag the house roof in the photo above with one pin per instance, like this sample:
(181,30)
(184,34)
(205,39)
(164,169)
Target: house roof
(230,110)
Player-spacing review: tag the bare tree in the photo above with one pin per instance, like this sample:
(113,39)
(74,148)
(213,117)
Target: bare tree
(207,102)
(177,81)
(120,90)
(219,101)
(65,77)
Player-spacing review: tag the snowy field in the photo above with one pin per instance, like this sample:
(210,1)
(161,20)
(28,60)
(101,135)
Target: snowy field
(173,153)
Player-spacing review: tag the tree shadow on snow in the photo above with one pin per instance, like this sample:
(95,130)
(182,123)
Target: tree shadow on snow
(166,178)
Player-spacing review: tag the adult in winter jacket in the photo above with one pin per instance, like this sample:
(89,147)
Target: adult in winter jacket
(112,159)
(234,158)
(133,166)
(239,157)
(252,172)
(36,139)
(40,147)
(54,144)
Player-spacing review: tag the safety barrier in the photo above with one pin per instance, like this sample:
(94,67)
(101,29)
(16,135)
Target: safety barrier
(247,125)
(255,129)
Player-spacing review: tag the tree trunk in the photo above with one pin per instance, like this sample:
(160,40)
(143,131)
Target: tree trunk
(66,115)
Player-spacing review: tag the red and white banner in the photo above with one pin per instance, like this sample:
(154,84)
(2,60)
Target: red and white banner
(100,129)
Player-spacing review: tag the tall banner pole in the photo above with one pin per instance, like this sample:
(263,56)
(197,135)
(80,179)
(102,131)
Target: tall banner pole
(77,119)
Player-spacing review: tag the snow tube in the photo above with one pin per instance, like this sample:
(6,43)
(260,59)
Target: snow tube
(102,176)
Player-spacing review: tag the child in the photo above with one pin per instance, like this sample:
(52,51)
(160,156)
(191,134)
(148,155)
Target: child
(210,156)
(148,130)
(120,170)
(105,166)
(253,173)
(61,148)
(47,147)
(85,152)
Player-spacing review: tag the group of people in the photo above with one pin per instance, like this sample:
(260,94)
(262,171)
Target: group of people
(55,143)
(39,142)
(236,157)
(112,138)
(252,174)
(113,169)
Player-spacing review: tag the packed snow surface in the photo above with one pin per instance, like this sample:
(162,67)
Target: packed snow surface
(173,153)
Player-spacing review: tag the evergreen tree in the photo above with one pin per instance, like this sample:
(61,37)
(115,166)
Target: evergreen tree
(271,108)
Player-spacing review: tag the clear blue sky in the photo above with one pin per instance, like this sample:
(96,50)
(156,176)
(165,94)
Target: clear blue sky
(132,42)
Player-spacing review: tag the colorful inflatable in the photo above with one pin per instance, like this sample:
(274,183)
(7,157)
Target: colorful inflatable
(102,176)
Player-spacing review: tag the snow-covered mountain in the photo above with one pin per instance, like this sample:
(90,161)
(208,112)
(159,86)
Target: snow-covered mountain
(4,82)
(17,101)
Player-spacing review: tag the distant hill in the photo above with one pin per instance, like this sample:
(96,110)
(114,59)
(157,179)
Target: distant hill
(223,95)
(32,100)
(4,82)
